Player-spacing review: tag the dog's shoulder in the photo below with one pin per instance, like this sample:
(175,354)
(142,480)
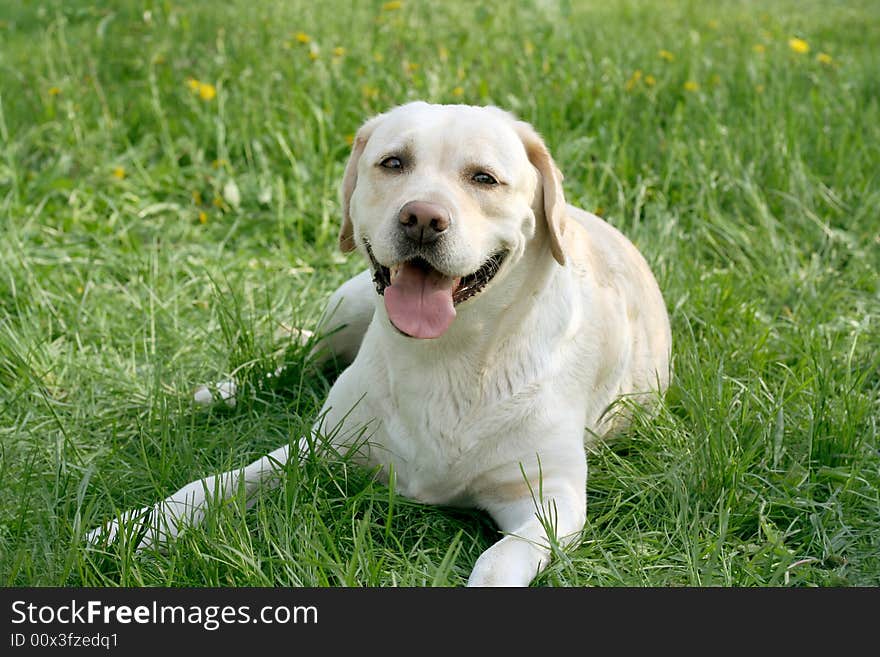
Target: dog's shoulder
(609,255)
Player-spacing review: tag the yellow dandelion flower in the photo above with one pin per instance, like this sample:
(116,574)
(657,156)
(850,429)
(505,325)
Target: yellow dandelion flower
(204,90)
(54,91)
(369,91)
(713,24)
(799,46)
(759,48)
(207,92)
(411,68)
(824,58)
(458,92)
(529,47)
(217,202)
(633,80)
(392,6)
(349,139)
(339,51)
(599,211)
(79,289)
(302,37)
(668,56)
(690,85)
(203,217)
(313,54)
(378,57)
(119,173)
(650,80)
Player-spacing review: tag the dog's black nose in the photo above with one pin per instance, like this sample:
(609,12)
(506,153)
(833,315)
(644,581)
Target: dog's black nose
(423,222)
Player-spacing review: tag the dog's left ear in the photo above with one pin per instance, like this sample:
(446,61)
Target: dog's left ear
(551,185)
(349,182)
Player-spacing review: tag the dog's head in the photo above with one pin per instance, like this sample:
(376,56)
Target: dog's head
(444,201)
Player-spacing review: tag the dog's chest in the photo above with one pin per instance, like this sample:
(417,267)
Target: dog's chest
(424,439)
(443,427)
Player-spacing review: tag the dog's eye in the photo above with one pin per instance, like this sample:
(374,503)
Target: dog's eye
(483,178)
(391,163)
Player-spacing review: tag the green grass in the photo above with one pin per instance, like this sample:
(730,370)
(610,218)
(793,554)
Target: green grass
(128,277)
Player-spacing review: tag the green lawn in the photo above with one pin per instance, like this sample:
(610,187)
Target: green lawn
(168,203)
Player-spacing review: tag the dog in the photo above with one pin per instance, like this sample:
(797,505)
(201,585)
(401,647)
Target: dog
(490,339)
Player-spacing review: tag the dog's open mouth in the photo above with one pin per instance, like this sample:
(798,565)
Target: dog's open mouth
(421,300)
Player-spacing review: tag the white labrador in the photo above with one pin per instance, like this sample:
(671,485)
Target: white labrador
(492,332)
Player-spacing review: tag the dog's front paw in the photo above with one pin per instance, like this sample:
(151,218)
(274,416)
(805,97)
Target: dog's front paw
(138,527)
(512,561)
(158,524)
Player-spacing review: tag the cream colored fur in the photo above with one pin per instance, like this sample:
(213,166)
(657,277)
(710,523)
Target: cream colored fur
(496,412)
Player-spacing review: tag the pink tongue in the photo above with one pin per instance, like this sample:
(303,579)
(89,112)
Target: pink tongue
(419,302)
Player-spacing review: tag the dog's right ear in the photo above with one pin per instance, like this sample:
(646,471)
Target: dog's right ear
(349,181)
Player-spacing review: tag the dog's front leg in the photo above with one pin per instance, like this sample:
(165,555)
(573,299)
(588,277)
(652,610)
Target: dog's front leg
(531,522)
(186,508)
